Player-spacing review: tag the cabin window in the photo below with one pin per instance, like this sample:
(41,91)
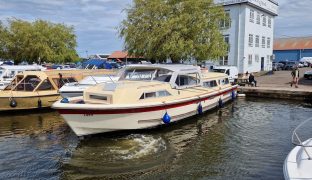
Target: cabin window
(224,81)
(163,93)
(28,84)
(150,95)
(1,73)
(187,80)
(102,98)
(45,85)
(155,94)
(163,75)
(139,74)
(210,84)
(13,83)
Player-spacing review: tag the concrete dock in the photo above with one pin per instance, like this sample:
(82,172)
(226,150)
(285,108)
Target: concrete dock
(277,85)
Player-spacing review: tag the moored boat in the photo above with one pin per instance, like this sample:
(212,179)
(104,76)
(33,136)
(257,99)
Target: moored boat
(75,89)
(39,89)
(298,164)
(8,72)
(146,96)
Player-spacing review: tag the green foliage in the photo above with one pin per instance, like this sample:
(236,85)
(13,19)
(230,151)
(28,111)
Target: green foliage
(176,29)
(37,41)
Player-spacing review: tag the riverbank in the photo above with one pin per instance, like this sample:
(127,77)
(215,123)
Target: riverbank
(277,85)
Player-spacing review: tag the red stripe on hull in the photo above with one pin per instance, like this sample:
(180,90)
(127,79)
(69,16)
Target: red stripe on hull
(139,110)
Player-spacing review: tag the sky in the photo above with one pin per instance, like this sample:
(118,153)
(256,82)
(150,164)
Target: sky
(96,21)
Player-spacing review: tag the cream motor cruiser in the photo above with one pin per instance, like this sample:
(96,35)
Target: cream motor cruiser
(39,89)
(145,96)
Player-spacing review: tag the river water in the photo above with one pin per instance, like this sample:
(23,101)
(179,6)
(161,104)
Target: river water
(247,139)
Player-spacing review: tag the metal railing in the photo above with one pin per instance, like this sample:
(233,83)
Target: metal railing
(299,142)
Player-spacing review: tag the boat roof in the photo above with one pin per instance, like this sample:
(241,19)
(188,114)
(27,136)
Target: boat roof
(55,73)
(171,67)
(209,75)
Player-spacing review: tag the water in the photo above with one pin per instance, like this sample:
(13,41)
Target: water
(247,139)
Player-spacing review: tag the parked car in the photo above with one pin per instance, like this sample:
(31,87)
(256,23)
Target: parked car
(290,65)
(308,75)
(305,64)
(277,66)
(300,65)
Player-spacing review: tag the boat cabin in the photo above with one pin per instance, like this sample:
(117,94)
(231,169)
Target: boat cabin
(7,73)
(178,76)
(32,81)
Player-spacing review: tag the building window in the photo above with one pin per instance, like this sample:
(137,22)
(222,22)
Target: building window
(263,42)
(225,23)
(268,59)
(257,41)
(264,20)
(269,42)
(257,58)
(269,22)
(250,41)
(227,41)
(250,59)
(251,16)
(258,18)
(224,60)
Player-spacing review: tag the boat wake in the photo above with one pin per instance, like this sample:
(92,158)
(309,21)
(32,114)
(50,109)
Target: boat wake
(138,146)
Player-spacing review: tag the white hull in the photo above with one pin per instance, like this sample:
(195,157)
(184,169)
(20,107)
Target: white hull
(93,123)
(297,165)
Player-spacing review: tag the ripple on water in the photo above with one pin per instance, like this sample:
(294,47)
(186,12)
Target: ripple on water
(247,139)
(117,156)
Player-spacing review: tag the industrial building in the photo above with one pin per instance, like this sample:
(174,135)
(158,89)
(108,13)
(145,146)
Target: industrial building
(292,49)
(249,34)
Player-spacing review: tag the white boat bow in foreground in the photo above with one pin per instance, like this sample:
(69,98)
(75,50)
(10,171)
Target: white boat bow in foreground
(298,164)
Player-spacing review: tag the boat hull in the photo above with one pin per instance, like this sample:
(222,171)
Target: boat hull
(297,165)
(28,102)
(86,121)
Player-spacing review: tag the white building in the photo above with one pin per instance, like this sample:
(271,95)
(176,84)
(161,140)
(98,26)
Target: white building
(249,34)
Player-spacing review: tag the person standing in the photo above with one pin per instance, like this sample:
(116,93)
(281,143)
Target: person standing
(295,75)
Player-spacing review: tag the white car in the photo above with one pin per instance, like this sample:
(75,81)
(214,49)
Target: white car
(300,65)
(308,75)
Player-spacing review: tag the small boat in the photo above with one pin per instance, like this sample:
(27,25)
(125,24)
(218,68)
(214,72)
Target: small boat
(75,89)
(8,72)
(144,97)
(39,89)
(298,164)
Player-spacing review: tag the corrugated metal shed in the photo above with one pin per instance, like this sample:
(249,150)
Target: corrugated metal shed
(295,43)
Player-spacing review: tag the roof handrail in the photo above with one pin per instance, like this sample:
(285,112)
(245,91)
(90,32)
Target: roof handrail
(295,135)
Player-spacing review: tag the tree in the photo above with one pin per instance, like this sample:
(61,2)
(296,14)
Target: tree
(176,29)
(37,41)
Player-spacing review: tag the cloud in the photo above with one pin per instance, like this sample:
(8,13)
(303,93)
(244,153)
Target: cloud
(294,18)
(95,21)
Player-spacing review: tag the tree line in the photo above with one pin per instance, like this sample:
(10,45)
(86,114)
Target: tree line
(38,41)
(175,29)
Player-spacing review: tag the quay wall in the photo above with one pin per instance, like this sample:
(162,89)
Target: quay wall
(277,93)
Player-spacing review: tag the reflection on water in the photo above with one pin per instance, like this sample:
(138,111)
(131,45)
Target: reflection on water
(247,139)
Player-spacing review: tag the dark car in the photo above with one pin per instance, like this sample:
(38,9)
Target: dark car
(277,66)
(289,65)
